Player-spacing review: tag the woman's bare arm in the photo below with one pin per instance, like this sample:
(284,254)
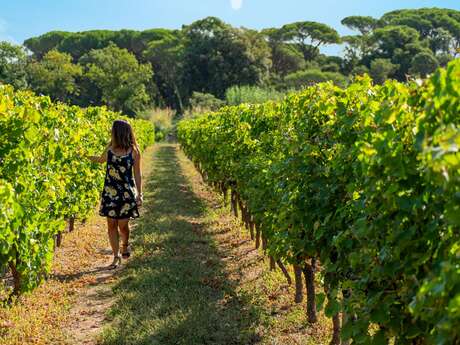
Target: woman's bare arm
(138,174)
(100,159)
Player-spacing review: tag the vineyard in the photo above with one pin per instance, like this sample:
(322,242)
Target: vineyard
(357,188)
(44,179)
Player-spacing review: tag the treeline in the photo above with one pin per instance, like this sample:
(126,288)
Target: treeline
(131,70)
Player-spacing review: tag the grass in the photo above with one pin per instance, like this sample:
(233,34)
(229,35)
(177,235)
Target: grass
(195,278)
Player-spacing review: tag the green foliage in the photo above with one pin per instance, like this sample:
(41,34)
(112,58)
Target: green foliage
(55,75)
(382,69)
(444,59)
(13,61)
(43,44)
(390,38)
(440,27)
(44,180)
(360,70)
(210,56)
(286,58)
(78,44)
(312,76)
(424,63)
(363,24)
(120,78)
(166,57)
(237,95)
(309,36)
(205,101)
(400,36)
(366,180)
(208,41)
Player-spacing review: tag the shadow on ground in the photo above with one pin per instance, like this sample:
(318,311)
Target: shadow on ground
(175,289)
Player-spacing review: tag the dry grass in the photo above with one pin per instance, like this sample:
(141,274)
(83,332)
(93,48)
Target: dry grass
(41,317)
(163,119)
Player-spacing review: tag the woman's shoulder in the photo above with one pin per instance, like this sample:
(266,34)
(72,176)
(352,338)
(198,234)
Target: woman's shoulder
(136,151)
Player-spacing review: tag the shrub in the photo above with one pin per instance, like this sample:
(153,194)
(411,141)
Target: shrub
(251,94)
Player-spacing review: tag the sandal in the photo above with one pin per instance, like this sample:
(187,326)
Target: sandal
(115,263)
(125,253)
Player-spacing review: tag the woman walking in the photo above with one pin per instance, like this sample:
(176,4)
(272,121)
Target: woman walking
(122,193)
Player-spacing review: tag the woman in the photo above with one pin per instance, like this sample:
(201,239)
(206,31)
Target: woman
(122,194)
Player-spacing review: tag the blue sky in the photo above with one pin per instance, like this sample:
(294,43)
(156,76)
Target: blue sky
(21,19)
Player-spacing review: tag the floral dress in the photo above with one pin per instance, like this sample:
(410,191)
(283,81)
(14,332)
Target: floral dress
(119,194)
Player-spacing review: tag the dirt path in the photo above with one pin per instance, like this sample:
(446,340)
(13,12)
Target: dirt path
(89,311)
(92,302)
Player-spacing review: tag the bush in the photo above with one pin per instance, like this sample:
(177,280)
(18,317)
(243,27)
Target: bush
(251,94)
(312,76)
(205,101)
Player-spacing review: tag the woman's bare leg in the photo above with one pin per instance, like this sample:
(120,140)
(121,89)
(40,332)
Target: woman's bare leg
(112,226)
(123,224)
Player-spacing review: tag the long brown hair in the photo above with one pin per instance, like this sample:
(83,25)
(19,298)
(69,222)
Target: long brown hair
(123,135)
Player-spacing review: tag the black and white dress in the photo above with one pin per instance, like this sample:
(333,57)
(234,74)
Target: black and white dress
(119,194)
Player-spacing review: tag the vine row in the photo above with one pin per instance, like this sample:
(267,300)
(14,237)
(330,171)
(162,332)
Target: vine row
(43,179)
(358,186)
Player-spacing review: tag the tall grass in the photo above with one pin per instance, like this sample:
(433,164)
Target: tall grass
(163,119)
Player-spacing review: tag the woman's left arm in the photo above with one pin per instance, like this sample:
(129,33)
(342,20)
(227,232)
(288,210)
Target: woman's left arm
(99,159)
(138,176)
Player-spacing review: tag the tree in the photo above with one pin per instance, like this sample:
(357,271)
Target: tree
(431,23)
(55,75)
(120,78)
(424,63)
(444,59)
(381,69)
(286,58)
(310,36)
(79,43)
(41,45)
(13,62)
(359,70)
(399,44)
(391,38)
(441,41)
(217,56)
(166,56)
(365,25)
(358,46)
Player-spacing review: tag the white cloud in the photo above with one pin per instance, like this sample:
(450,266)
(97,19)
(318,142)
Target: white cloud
(236,4)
